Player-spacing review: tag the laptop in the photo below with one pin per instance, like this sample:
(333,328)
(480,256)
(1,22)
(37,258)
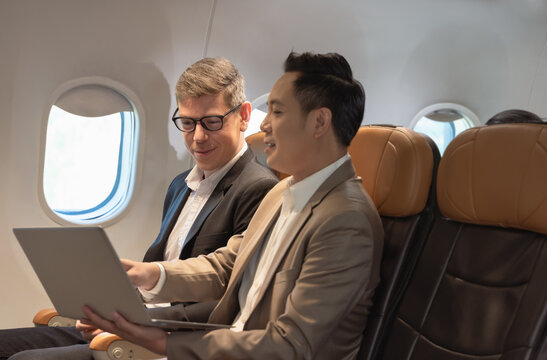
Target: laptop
(78,266)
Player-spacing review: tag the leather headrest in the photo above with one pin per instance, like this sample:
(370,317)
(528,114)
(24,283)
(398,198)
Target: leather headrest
(396,165)
(496,175)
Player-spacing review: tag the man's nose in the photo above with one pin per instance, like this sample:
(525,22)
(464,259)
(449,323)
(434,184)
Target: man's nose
(265,124)
(200,134)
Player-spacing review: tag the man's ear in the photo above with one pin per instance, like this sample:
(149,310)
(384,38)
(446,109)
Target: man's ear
(245,114)
(322,121)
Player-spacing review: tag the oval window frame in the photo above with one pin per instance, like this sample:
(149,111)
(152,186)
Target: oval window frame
(466,112)
(117,212)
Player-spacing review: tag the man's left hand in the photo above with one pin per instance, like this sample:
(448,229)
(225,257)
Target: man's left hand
(154,339)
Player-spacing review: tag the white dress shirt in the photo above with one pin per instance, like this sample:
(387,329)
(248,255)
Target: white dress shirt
(202,187)
(294,199)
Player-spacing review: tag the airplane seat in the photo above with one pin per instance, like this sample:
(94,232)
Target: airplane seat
(256,143)
(479,290)
(397,167)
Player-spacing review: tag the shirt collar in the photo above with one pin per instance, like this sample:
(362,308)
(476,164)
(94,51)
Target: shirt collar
(196,175)
(300,193)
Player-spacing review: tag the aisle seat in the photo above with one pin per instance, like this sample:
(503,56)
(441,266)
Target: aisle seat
(479,291)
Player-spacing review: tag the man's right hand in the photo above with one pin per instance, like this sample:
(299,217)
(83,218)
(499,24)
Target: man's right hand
(88,331)
(142,274)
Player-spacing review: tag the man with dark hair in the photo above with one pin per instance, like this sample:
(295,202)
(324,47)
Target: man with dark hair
(336,90)
(203,208)
(514,116)
(299,282)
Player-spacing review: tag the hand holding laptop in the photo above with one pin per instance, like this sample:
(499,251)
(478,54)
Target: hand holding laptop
(88,331)
(77,280)
(152,338)
(140,274)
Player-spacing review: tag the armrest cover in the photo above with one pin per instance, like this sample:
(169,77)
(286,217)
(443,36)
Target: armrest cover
(102,341)
(43,317)
(108,346)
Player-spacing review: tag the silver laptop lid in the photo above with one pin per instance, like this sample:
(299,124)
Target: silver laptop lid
(77,266)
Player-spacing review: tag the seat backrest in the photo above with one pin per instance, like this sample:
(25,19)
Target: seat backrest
(396,166)
(479,290)
(256,143)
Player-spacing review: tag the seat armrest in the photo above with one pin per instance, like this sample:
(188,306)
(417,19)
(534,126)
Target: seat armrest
(50,317)
(107,346)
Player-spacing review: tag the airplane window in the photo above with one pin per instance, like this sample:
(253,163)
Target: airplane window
(260,109)
(443,121)
(89,159)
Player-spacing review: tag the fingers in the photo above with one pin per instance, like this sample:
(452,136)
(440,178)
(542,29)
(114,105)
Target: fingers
(95,320)
(126,326)
(127,264)
(84,327)
(88,331)
(118,325)
(90,334)
(154,339)
(105,324)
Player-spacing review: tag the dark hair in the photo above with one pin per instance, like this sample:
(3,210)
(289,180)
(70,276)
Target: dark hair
(514,116)
(326,80)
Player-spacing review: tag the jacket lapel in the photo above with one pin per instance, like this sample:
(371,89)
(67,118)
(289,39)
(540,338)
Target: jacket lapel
(343,173)
(254,238)
(218,194)
(209,206)
(258,229)
(301,219)
(155,252)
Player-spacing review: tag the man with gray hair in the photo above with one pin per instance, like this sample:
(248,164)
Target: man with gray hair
(203,207)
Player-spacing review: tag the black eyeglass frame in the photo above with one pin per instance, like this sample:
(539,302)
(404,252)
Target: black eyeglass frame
(200,120)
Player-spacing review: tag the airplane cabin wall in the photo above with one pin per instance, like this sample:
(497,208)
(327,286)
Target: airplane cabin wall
(46,44)
(488,56)
(480,54)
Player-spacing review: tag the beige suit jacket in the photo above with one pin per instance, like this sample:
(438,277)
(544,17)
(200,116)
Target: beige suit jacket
(316,300)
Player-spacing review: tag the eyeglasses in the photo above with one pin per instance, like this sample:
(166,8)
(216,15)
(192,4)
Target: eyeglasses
(210,122)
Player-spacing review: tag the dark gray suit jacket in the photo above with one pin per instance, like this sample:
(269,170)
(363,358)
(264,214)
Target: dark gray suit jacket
(227,212)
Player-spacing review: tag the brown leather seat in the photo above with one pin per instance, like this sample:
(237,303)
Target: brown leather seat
(479,290)
(397,167)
